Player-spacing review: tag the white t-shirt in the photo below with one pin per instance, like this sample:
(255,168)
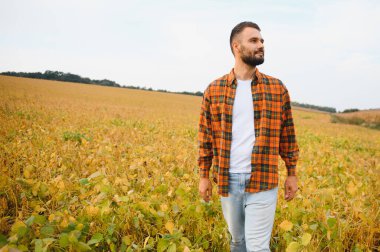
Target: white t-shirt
(243,131)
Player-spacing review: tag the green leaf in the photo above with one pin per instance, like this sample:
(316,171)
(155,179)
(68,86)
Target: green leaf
(39,219)
(96,238)
(21,231)
(124,198)
(84,181)
(3,240)
(331,222)
(180,192)
(38,245)
(172,248)
(123,247)
(22,248)
(81,246)
(111,228)
(47,231)
(186,241)
(64,240)
(74,236)
(29,221)
(47,242)
(112,247)
(356,249)
(205,244)
(162,245)
(44,191)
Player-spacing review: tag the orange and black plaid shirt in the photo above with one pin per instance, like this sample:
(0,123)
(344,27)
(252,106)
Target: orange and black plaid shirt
(274,132)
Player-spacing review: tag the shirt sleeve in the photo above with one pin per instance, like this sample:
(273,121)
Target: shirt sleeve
(289,150)
(205,137)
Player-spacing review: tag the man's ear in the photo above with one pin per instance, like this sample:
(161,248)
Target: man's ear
(236,46)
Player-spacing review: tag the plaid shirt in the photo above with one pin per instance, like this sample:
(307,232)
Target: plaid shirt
(274,132)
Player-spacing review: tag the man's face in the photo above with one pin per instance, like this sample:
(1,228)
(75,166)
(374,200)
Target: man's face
(250,47)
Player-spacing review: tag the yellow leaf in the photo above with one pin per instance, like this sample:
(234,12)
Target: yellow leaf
(127,240)
(351,188)
(170,192)
(64,223)
(51,217)
(17,225)
(164,207)
(146,241)
(169,226)
(327,194)
(362,216)
(28,171)
(153,211)
(198,209)
(306,239)
(36,188)
(105,210)
(292,247)
(286,225)
(125,189)
(38,208)
(92,210)
(61,185)
(79,226)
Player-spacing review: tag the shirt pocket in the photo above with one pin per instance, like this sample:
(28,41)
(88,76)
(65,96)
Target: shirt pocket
(216,119)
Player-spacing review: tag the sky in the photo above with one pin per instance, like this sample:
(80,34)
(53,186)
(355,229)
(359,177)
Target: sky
(327,53)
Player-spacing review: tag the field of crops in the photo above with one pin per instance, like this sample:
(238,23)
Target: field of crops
(87,167)
(366,118)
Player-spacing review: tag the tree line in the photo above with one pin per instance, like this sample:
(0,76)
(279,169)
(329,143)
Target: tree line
(310,106)
(69,77)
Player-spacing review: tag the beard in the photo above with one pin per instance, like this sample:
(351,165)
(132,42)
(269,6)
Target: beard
(252,60)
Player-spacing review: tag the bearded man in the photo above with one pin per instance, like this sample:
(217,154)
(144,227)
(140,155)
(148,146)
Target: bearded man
(245,125)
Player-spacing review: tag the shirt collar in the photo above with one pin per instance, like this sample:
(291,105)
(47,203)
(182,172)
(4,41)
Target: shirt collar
(231,76)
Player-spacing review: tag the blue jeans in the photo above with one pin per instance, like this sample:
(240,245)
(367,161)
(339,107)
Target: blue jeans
(249,216)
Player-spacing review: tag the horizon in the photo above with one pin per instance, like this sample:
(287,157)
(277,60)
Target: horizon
(325,52)
(144,88)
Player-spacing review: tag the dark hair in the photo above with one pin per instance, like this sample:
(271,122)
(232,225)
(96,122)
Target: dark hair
(239,28)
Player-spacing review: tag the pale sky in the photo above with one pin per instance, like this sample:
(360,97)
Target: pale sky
(327,53)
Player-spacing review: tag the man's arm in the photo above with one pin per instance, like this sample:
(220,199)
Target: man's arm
(205,137)
(288,145)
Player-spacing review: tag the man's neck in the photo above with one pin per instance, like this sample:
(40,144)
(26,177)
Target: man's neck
(243,71)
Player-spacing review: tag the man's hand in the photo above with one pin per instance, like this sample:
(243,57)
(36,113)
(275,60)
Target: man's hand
(205,189)
(290,187)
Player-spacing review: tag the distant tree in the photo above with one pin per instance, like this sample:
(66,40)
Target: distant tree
(350,110)
(320,108)
(162,90)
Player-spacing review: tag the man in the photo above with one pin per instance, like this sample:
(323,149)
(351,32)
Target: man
(245,125)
